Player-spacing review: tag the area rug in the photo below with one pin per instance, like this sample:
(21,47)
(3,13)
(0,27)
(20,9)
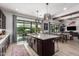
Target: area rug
(17,50)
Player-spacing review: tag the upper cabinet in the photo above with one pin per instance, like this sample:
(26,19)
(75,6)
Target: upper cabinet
(2,20)
(0,13)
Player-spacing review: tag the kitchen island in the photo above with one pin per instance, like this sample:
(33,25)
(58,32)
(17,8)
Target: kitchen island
(42,44)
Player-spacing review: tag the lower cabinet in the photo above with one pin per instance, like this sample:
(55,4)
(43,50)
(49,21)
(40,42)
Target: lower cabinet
(42,47)
(4,46)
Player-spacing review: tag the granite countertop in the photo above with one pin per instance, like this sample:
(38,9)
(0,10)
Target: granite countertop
(3,37)
(43,36)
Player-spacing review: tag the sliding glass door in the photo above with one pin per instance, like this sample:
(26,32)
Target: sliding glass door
(24,26)
(19,34)
(36,27)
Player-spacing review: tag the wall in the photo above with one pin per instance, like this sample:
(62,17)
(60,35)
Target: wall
(9,20)
(69,23)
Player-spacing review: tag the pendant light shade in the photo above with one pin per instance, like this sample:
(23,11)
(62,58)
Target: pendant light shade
(47,15)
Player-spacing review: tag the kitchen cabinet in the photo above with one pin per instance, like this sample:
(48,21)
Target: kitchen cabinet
(2,20)
(4,43)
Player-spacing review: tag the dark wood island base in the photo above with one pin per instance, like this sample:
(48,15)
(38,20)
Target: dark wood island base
(42,47)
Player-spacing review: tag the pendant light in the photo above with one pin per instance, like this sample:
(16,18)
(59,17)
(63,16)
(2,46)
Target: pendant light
(47,16)
(37,20)
(37,15)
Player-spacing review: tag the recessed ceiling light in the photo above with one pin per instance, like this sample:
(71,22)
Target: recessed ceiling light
(16,9)
(65,9)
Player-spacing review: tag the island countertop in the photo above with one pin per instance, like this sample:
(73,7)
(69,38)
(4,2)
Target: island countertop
(43,36)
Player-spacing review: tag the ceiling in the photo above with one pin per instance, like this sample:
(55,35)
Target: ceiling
(30,8)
